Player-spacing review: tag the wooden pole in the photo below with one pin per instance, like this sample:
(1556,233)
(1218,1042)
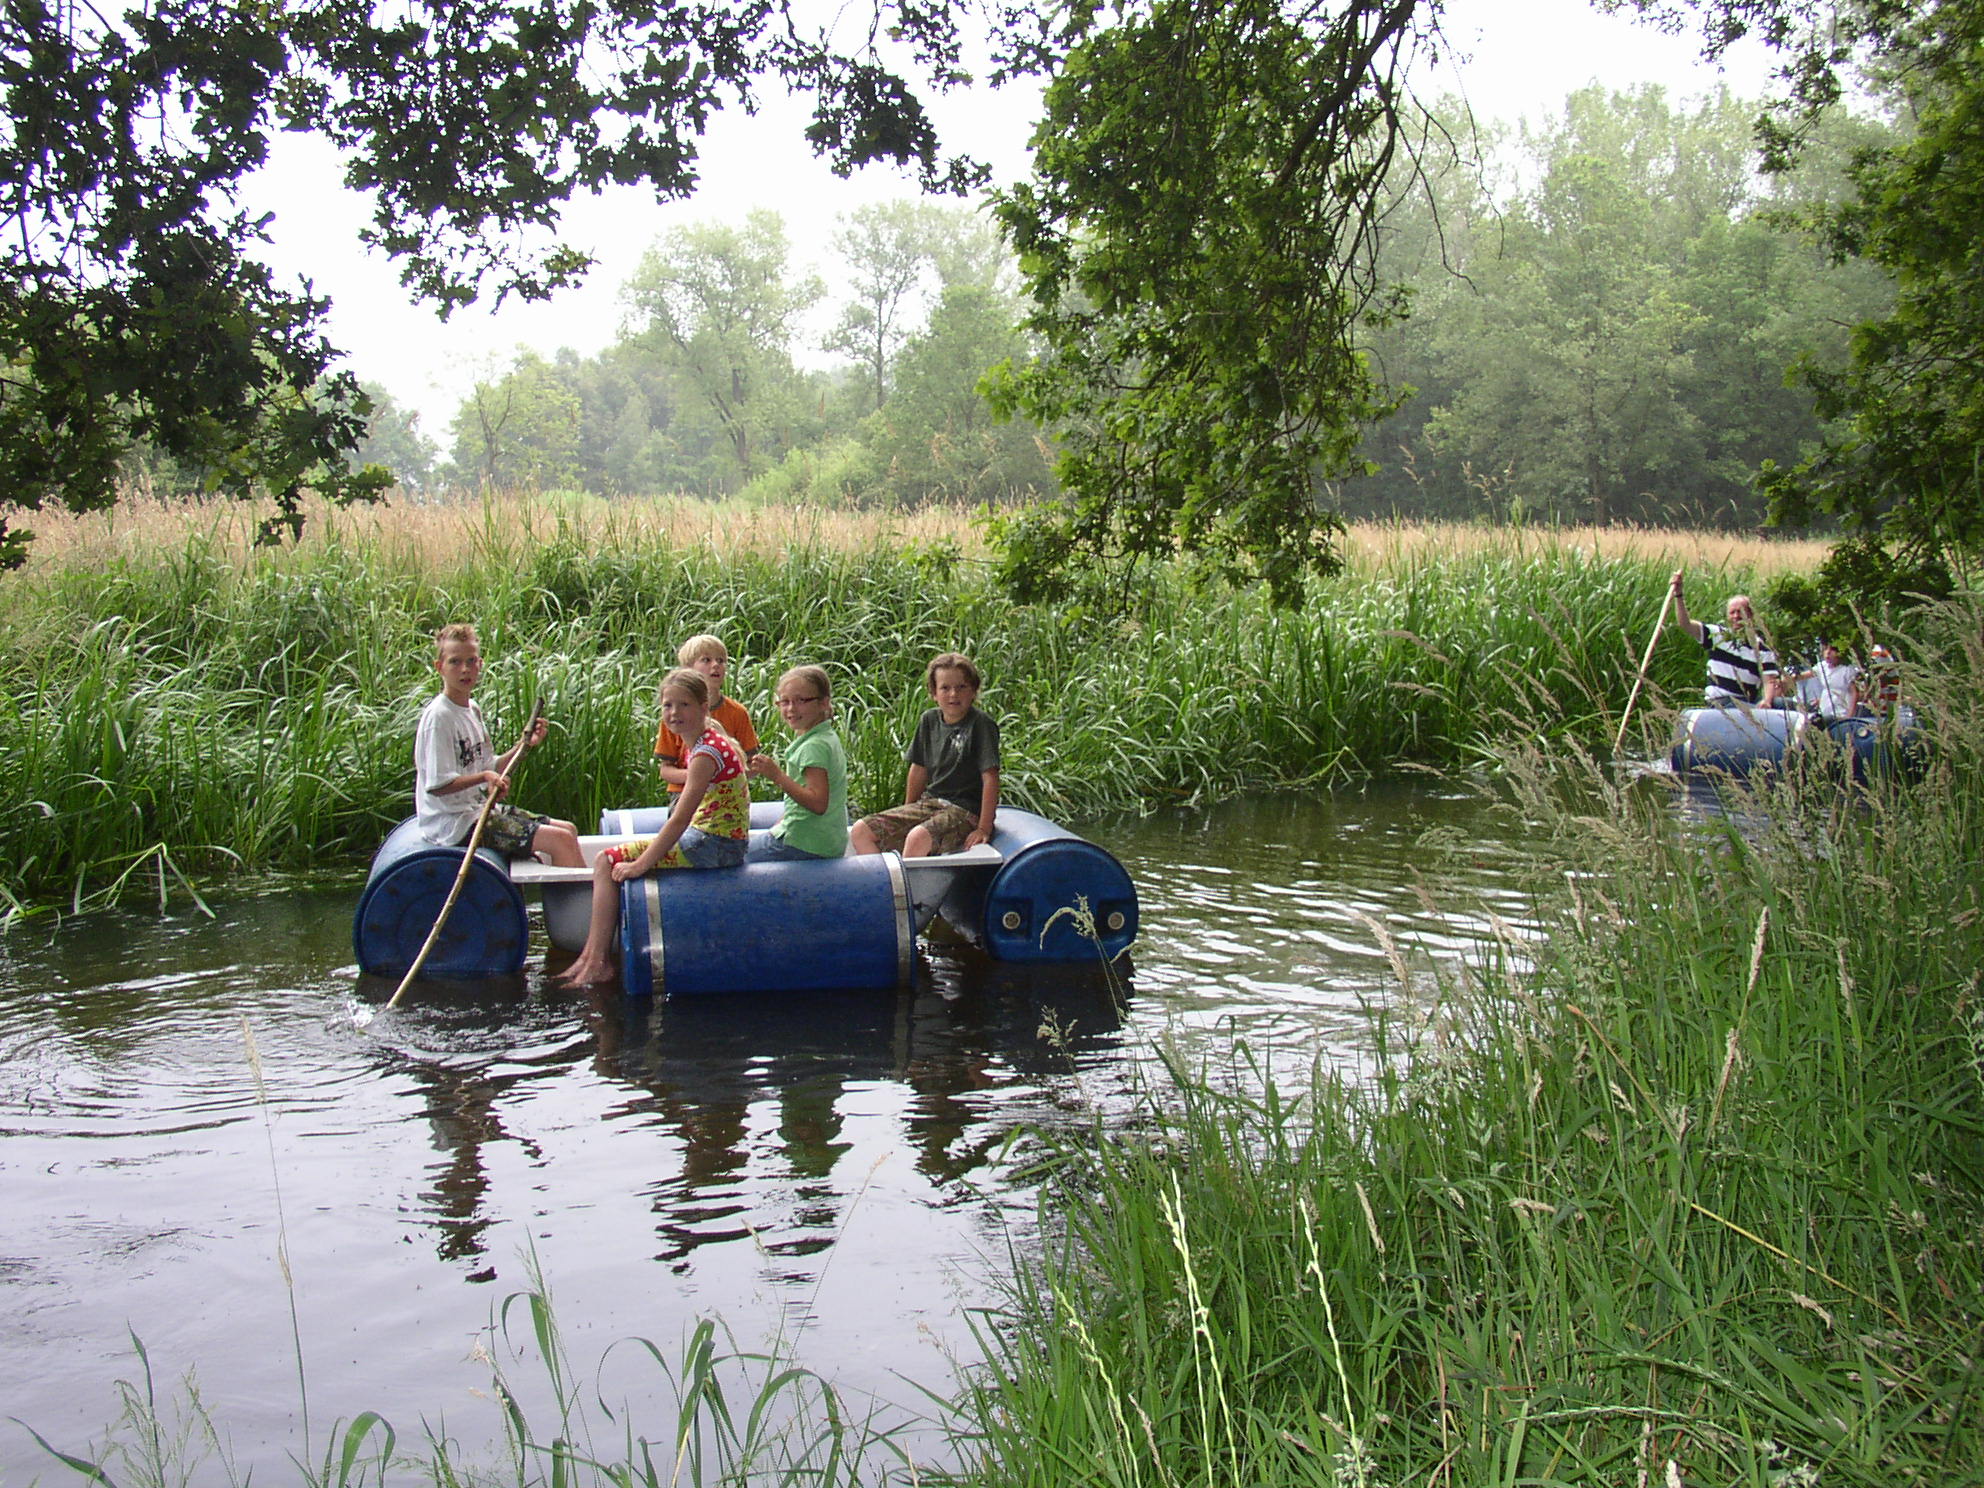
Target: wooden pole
(454,893)
(1645,662)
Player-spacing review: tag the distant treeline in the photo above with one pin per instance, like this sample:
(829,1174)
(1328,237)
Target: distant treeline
(1603,312)
(1597,320)
(708,390)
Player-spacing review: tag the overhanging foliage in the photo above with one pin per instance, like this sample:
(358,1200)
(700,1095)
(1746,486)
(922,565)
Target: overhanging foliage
(130,305)
(1907,479)
(1195,241)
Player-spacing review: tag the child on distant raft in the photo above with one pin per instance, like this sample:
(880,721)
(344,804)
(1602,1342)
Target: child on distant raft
(708,827)
(1883,682)
(814,777)
(707,655)
(455,766)
(952,793)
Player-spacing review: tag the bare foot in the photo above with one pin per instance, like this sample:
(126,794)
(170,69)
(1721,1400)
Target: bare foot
(588,970)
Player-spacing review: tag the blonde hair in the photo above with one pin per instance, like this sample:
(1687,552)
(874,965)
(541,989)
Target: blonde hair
(698,687)
(448,635)
(814,677)
(697,647)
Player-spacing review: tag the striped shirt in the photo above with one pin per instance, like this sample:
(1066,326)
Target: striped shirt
(1736,668)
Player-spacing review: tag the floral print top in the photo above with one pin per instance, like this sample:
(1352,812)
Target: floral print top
(726,806)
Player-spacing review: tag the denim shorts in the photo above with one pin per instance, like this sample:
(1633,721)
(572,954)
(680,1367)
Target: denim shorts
(700,850)
(765,848)
(695,849)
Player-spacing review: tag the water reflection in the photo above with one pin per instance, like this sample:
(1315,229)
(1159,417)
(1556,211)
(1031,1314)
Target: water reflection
(1268,919)
(754,1092)
(462,1054)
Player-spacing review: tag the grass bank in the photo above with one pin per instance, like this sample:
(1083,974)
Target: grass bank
(1697,1198)
(181,704)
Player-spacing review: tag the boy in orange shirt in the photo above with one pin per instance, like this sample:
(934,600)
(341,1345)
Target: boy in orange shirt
(707,655)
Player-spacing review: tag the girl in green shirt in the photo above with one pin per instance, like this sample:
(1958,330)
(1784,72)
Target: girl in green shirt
(814,775)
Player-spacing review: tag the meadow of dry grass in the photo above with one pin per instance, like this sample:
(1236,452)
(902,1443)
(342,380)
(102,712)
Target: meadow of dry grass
(439,532)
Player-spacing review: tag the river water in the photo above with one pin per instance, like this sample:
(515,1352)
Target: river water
(187,1101)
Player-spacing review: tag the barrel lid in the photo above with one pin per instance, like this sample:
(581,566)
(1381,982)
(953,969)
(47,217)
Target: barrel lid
(487,933)
(1036,903)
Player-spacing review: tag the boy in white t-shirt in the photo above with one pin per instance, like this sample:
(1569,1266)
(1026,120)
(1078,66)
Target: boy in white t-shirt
(455,768)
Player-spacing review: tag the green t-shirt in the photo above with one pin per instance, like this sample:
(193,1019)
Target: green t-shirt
(824,835)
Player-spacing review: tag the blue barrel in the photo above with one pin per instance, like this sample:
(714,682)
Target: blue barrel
(487,933)
(1011,906)
(1859,740)
(1047,870)
(803,927)
(634,821)
(1878,748)
(645,821)
(1735,739)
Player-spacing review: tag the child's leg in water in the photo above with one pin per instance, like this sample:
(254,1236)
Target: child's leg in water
(595,961)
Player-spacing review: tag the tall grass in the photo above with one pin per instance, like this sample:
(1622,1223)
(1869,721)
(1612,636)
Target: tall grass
(206,703)
(1694,1199)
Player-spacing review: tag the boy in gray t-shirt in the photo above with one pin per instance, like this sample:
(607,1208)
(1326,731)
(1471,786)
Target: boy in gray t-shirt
(952,794)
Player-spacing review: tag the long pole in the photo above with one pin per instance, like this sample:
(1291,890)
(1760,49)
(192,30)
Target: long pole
(461,874)
(1645,662)
(454,893)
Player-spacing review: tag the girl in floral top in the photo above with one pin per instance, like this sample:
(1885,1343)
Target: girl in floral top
(709,826)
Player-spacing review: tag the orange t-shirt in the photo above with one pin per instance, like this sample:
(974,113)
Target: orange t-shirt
(736,722)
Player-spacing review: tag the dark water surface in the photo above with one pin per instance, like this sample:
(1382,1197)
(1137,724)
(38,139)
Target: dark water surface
(826,1170)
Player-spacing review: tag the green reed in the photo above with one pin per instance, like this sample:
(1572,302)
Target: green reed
(709,1414)
(1688,1191)
(254,709)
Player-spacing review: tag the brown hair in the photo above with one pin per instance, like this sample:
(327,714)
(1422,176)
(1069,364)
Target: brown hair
(448,634)
(814,677)
(953,661)
(698,687)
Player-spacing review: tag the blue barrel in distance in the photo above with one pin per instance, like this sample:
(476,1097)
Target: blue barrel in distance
(1049,870)
(1859,739)
(487,934)
(1881,748)
(834,925)
(1735,739)
(629,822)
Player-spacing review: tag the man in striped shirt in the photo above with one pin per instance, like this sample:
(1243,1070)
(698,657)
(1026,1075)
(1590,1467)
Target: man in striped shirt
(1742,668)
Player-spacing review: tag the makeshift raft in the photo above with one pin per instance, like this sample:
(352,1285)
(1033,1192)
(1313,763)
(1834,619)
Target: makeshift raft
(1737,739)
(1035,893)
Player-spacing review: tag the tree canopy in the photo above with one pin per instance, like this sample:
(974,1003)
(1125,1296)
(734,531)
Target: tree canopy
(131,306)
(1905,474)
(1195,240)
(1199,242)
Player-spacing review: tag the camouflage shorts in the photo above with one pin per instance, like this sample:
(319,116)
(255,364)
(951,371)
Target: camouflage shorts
(948,825)
(510,831)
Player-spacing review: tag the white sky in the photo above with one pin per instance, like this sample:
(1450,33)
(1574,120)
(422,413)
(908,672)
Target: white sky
(1515,58)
